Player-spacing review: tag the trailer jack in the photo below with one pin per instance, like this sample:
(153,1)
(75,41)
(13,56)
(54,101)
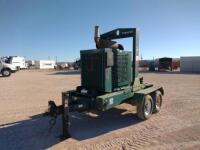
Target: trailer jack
(54,111)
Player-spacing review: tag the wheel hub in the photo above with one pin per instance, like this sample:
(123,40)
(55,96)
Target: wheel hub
(158,102)
(6,72)
(147,107)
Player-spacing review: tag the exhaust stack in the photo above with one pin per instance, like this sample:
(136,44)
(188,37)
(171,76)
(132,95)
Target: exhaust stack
(105,43)
(96,36)
(96,32)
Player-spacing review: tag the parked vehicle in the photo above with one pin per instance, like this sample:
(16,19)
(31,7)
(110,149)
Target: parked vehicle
(165,63)
(6,69)
(62,66)
(152,66)
(77,64)
(17,61)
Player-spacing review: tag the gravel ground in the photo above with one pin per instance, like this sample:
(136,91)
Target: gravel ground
(24,97)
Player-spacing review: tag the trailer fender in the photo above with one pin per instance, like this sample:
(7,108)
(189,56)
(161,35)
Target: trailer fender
(139,95)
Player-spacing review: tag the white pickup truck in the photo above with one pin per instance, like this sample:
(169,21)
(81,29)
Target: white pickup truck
(6,69)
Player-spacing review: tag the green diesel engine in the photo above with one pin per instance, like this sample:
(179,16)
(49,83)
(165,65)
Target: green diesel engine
(105,70)
(109,77)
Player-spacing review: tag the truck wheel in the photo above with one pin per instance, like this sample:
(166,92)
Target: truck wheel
(157,101)
(145,108)
(18,68)
(6,72)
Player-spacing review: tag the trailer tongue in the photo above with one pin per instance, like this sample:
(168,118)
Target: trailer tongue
(109,77)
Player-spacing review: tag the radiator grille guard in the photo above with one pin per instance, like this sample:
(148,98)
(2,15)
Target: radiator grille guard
(92,70)
(97,74)
(122,69)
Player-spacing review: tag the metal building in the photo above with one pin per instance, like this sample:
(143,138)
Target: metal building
(45,64)
(190,64)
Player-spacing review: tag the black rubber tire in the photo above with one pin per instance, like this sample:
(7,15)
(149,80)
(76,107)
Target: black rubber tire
(157,101)
(18,68)
(6,72)
(141,108)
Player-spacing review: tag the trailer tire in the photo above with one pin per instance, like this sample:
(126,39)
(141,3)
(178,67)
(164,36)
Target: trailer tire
(157,101)
(6,72)
(145,108)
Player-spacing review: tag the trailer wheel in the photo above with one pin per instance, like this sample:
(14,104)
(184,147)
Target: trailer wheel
(157,101)
(6,72)
(145,108)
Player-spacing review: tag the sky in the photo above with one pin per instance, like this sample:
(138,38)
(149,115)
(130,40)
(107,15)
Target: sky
(50,29)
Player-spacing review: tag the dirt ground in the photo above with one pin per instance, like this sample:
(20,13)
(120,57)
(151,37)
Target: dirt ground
(24,97)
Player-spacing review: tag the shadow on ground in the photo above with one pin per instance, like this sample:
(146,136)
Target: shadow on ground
(71,72)
(27,134)
(85,127)
(170,72)
(3,76)
(33,133)
(77,72)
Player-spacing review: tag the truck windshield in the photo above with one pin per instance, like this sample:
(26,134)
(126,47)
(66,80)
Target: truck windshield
(8,60)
